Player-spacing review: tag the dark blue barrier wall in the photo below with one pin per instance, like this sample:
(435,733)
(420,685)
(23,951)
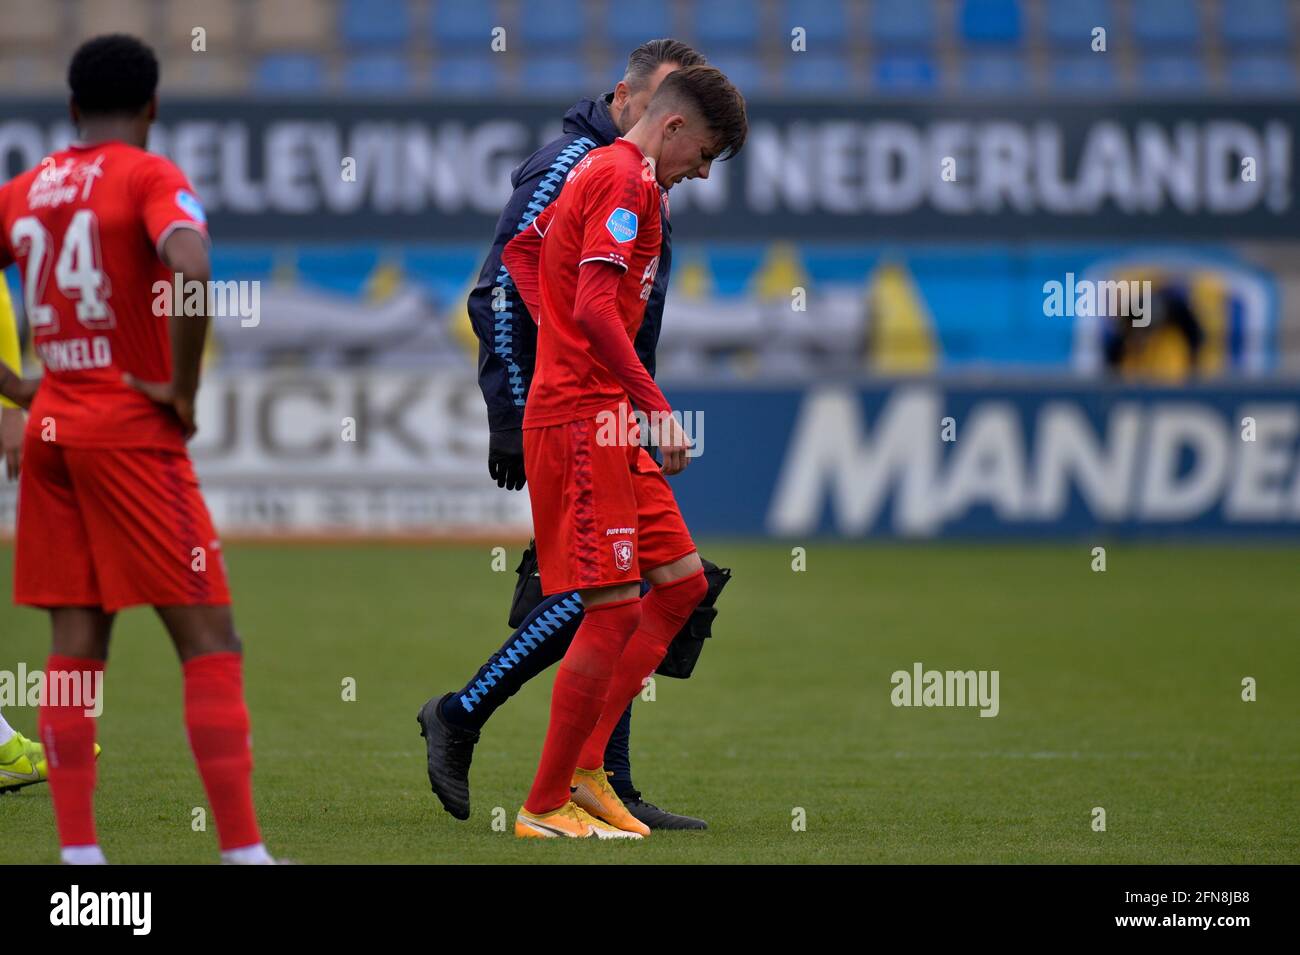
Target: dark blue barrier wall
(1028,461)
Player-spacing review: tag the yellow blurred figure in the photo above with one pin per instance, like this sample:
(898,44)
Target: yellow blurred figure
(1165,356)
(12,418)
(10,353)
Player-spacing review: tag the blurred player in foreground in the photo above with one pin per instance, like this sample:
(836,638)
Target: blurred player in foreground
(22,761)
(603,514)
(109,510)
(545,625)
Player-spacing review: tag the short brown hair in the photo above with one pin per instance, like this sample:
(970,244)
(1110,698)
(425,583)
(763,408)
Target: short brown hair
(649,56)
(707,91)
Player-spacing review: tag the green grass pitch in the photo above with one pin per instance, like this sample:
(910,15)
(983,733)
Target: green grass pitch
(1119,690)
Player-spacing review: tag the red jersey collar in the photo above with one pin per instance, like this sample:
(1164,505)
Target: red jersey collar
(631,145)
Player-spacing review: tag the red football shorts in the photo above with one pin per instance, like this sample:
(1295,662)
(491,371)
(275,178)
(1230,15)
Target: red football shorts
(603,514)
(113,528)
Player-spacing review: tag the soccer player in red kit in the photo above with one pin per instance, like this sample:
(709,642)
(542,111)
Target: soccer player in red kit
(109,510)
(603,514)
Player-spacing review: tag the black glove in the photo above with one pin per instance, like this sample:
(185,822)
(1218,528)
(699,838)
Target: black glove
(506,458)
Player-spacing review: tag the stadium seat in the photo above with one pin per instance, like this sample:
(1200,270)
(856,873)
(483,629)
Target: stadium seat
(290,73)
(827,22)
(459,26)
(375,23)
(292,24)
(31,73)
(219,19)
(1255,23)
(725,24)
(986,72)
(1171,74)
(93,17)
(1083,73)
(341,270)
(604,69)
(554,23)
(1262,74)
(29,23)
(904,74)
(1169,23)
(817,73)
(443,269)
(896,23)
(1069,23)
(744,71)
(374,73)
(993,22)
(629,26)
(203,73)
(552,73)
(467,74)
(234,261)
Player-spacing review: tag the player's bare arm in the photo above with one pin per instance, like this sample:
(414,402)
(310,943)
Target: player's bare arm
(13,423)
(185,253)
(19,390)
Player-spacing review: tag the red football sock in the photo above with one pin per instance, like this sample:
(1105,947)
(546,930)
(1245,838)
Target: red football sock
(579,693)
(664,611)
(69,738)
(217,721)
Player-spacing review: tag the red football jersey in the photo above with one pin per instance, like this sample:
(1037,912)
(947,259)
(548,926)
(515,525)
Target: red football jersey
(607,211)
(86,228)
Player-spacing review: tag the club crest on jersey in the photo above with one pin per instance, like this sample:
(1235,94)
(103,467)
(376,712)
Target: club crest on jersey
(622,225)
(190,205)
(622,554)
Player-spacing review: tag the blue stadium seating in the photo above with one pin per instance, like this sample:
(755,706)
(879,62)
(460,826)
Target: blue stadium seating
(559,23)
(905,74)
(383,41)
(246,263)
(817,73)
(1169,73)
(442,269)
(990,21)
(552,73)
(467,74)
(375,23)
(896,23)
(725,23)
(1069,23)
(1262,74)
(1255,23)
(1172,23)
(377,73)
(289,73)
(989,72)
(826,21)
(631,25)
(457,23)
(345,270)
(744,72)
(1084,73)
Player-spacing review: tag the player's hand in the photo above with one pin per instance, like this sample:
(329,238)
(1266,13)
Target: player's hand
(12,424)
(506,458)
(673,445)
(164,392)
(20,391)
